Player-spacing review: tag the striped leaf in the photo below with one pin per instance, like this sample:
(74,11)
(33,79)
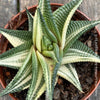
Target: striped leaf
(27,81)
(79,52)
(40,80)
(69,73)
(47,75)
(76,29)
(45,7)
(72,8)
(34,76)
(56,50)
(15,57)
(40,90)
(16,37)
(63,12)
(44,28)
(35,28)
(55,70)
(39,33)
(30,20)
(21,79)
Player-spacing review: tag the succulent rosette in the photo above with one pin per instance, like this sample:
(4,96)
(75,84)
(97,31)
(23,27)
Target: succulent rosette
(47,50)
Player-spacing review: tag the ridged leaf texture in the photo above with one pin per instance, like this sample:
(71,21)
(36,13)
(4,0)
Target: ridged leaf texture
(15,57)
(76,29)
(47,75)
(63,12)
(23,77)
(69,73)
(16,37)
(34,76)
(79,52)
(67,21)
(30,20)
(47,50)
(45,7)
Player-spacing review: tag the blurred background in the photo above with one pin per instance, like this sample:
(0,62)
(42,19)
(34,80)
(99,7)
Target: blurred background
(9,8)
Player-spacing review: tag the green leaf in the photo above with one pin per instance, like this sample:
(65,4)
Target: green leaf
(50,54)
(56,50)
(35,28)
(40,90)
(39,33)
(34,76)
(76,29)
(45,8)
(27,81)
(69,73)
(79,52)
(16,37)
(40,80)
(15,57)
(55,70)
(44,28)
(47,75)
(63,12)
(72,8)
(22,78)
(30,20)
(45,43)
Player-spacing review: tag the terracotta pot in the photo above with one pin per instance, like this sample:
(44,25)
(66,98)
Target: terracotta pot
(19,20)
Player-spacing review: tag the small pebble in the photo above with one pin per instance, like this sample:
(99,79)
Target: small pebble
(89,80)
(7,73)
(89,43)
(65,95)
(60,81)
(56,94)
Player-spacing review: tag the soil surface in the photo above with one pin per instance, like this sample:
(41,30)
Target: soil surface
(65,90)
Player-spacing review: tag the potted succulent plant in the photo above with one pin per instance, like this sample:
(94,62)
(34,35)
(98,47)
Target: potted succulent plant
(47,50)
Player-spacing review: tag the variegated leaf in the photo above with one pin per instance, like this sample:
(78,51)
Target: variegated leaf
(69,73)
(56,50)
(40,81)
(42,30)
(79,52)
(56,68)
(63,12)
(45,43)
(47,75)
(39,32)
(16,37)
(72,8)
(45,8)
(76,29)
(40,90)
(34,76)
(44,27)
(30,20)
(15,57)
(22,78)
(35,28)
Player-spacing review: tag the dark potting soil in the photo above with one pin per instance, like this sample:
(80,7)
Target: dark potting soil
(64,90)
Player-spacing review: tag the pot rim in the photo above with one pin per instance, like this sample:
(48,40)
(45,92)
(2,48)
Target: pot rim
(53,4)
